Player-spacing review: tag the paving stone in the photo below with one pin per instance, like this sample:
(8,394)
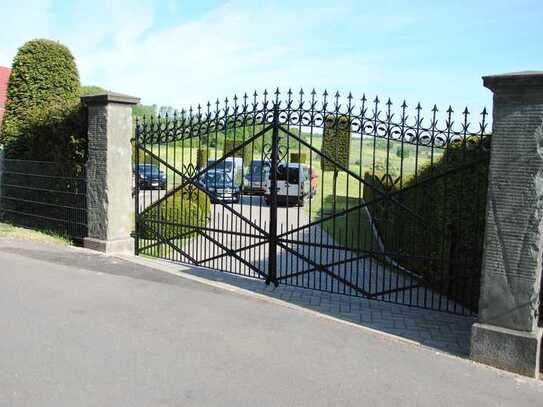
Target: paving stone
(445,332)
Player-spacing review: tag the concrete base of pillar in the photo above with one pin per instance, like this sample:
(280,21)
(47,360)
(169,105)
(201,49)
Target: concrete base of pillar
(118,246)
(514,351)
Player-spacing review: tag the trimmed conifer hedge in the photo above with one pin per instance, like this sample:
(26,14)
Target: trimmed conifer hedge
(189,206)
(336,142)
(442,238)
(44,119)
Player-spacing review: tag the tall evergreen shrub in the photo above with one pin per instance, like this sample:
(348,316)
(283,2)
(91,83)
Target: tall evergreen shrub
(44,119)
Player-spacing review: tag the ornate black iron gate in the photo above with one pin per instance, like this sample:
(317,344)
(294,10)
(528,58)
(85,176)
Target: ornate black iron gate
(322,193)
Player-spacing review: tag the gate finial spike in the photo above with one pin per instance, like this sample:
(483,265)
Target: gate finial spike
(404,104)
(301,92)
(364,98)
(450,110)
(313,92)
(435,109)
(419,107)
(466,111)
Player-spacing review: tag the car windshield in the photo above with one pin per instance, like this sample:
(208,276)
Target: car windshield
(258,170)
(223,166)
(257,167)
(217,178)
(148,169)
(289,174)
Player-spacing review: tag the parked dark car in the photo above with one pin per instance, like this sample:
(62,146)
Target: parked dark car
(150,177)
(220,186)
(255,180)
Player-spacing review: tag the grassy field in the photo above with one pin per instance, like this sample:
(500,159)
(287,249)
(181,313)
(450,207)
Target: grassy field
(14,232)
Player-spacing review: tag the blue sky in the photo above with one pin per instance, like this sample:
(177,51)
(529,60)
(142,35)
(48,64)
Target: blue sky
(185,52)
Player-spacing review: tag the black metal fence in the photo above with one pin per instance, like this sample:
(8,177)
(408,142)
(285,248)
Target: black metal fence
(45,196)
(284,189)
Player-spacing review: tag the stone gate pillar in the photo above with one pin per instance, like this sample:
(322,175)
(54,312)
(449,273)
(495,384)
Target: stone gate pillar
(109,172)
(507,335)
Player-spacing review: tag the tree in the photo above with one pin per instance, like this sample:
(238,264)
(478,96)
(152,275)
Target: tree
(144,110)
(138,110)
(43,119)
(91,90)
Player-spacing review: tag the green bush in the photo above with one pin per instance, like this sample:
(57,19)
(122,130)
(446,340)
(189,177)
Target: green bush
(43,119)
(440,236)
(144,157)
(202,156)
(402,152)
(298,158)
(336,142)
(187,207)
(245,153)
(91,90)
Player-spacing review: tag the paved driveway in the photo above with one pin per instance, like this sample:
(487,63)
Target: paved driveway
(230,229)
(79,329)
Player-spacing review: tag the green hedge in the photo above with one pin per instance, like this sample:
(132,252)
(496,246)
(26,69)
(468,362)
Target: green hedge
(246,153)
(43,119)
(188,207)
(202,156)
(336,142)
(144,157)
(298,158)
(445,243)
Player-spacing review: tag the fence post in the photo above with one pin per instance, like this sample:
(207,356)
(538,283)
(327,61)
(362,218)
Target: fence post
(507,335)
(109,173)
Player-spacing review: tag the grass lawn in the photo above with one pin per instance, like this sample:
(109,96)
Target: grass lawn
(14,232)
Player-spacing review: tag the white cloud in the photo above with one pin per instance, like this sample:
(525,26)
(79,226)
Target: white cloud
(227,50)
(236,48)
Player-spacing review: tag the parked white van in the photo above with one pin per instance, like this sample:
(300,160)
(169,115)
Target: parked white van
(231,166)
(293,184)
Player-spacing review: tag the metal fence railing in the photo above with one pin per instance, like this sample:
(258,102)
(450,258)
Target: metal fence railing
(44,195)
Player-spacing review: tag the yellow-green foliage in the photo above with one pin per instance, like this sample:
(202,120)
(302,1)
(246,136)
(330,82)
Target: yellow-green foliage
(202,157)
(43,102)
(336,142)
(298,158)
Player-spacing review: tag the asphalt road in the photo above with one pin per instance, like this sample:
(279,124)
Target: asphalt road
(80,329)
